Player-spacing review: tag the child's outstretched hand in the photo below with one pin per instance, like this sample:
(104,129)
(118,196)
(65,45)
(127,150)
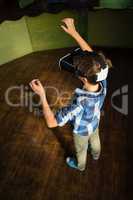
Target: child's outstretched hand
(69,26)
(37,87)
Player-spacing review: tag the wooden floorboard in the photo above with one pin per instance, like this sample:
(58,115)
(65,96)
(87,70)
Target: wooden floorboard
(32,157)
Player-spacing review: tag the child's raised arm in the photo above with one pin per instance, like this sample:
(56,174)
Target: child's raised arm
(69,28)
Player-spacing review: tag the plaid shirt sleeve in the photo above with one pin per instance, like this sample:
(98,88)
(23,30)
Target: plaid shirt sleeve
(104,83)
(67,113)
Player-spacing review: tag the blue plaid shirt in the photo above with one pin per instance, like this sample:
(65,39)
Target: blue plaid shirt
(84,110)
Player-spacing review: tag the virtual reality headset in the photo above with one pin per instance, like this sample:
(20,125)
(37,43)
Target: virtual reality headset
(66,63)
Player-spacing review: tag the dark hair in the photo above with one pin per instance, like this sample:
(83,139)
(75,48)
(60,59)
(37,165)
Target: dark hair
(89,63)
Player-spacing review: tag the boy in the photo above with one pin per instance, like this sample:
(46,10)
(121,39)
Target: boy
(84,111)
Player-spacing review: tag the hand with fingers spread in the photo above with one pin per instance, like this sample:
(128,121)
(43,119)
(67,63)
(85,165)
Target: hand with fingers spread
(37,87)
(69,26)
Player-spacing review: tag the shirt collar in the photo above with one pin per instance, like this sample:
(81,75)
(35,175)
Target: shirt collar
(84,92)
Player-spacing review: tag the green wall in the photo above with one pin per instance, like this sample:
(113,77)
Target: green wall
(30,34)
(14,40)
(24,3)
(111,28)
(116,4)
(45,31)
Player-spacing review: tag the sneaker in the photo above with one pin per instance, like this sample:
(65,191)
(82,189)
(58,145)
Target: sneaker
(71,162)
(96,157)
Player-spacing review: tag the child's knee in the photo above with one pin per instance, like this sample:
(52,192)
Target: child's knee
(96,148)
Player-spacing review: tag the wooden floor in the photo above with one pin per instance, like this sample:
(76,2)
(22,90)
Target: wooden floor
(32,157)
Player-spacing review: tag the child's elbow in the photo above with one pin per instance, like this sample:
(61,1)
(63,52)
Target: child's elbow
(52,125)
